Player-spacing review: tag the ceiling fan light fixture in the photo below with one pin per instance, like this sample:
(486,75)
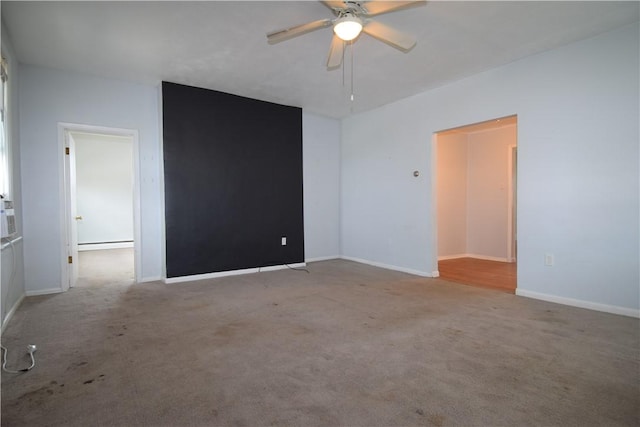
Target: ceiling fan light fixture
(348,27)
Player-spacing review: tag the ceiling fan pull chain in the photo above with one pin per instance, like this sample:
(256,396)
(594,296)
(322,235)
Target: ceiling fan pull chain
(344,46)
(351,71)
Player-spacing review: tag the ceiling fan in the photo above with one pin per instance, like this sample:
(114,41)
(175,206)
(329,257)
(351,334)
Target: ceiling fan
(352,18)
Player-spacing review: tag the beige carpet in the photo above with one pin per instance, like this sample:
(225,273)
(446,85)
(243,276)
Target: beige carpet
(106,267)
(346,345)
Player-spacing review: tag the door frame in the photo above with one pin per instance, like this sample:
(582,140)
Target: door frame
(512,219)
(67,174)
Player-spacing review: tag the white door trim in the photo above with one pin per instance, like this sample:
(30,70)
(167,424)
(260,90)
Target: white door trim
(433,167)
(71,205)
(511,201)
(67,277)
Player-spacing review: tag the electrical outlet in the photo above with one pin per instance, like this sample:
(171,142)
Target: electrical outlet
(548,260)
(284,241)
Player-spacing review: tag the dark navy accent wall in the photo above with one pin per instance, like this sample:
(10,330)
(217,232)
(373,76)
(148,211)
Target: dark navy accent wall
(233,181)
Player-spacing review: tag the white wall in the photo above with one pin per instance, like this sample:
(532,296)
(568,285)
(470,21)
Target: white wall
(104,188)
(578,186)
(321,174)
(488,192)
(11,258)
(48,97)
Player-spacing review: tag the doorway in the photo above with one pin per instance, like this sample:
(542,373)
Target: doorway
(101,179)
(476,198)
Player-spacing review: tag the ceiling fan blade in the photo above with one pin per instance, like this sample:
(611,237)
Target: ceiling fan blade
(336,52)
(388,35)
(289,33)
(334,4)
(379,7)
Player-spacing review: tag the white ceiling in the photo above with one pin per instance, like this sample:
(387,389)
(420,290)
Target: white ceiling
(222,45)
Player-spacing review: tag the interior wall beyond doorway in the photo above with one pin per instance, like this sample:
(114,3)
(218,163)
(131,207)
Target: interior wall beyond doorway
(104,190)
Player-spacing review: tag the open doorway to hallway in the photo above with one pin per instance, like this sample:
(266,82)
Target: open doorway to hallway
(104,179)
(102,205)
(476,173)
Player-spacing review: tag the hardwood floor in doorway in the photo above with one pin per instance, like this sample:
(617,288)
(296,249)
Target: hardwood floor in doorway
(479,272)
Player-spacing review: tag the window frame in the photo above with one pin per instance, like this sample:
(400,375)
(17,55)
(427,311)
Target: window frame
(6,160)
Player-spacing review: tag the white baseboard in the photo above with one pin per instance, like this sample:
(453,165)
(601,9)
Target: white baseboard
(489,258)
(389,267)
(219,274)
(613,309)
(484,257)
(43,292)
(10,313)
(447,257)
(103,246)
(150,279)
(323,258)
